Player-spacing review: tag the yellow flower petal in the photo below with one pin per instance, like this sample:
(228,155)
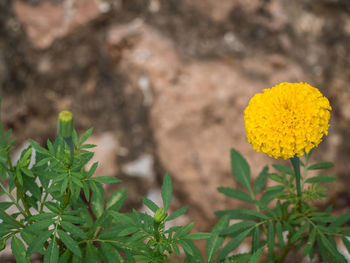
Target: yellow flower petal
(287,120)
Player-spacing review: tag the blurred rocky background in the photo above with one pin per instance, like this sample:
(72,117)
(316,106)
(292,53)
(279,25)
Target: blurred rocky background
(164,84)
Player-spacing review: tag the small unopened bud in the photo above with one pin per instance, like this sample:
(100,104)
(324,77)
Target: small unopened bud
(65,124)
(160,215)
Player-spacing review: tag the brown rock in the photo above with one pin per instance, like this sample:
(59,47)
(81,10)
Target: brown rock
(197,113)
(46,22)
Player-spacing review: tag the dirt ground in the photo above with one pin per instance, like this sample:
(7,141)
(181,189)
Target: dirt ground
(164,84)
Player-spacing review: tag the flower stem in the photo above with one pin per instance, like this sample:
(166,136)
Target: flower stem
(296,166)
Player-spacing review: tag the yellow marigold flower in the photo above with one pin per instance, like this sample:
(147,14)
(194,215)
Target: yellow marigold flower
(287,120)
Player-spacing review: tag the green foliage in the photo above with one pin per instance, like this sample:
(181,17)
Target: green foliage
(290,223)
(63,214)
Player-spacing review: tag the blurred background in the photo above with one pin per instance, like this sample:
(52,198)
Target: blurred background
(164,84)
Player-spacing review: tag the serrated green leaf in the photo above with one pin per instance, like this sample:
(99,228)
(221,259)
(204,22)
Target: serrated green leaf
(38,226)
(73,229)
(98,200)
(256,255)
(341,220)
(65,257)
(19,251)
(240,226)
(236,194)
(38,242)
(69,243)
(242,214)
(198,235)
(85,136)
(150,204)
(310,242)
(110,253)
(183,230)
(106,179)
(177,213)
(279,234)
(256,239)
(270,239)
(27,172)
(240,169)
(167,191)
(187,248)
(116,200)
(215,241)
(275,177)
(92,170)
(261,180)
(233,244)
(321,179)
(331,249)
(51,254)
(283,169)
(324,165)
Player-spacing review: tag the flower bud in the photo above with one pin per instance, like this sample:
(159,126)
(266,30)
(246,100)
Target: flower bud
(160,215)
(65,124)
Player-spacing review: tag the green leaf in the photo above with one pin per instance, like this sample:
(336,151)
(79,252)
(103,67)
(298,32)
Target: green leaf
(238,227)
(242,214)
(233,244)
(331,249)
(116,200)
(177,213)
(198,235)
(38,242)
(150,204)
(324,165)
(183,230)
(92,254)
(283,169)
(256,255)
(8,219)
(110,253)
(321,179)
(279,234)
(261,180)
(65,257)
(236,194)
(19,251)
(51,254)
(187,248)
(240,169)
(310,242)
(85,136)
(256,239)
(167,191)
(69,243)
(270,239)
(215,241)
(341,220)
(39,226)
(275,177)
(98,200)
(346,243)
(73,229)
(27,172)
(106,179)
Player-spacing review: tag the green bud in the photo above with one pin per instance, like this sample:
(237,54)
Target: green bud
(160,215)
(65,124)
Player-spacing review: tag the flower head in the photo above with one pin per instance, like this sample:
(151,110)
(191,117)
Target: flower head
(287,120)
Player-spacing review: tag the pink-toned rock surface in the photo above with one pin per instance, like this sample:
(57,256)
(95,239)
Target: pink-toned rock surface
(46,22)
(197,112)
